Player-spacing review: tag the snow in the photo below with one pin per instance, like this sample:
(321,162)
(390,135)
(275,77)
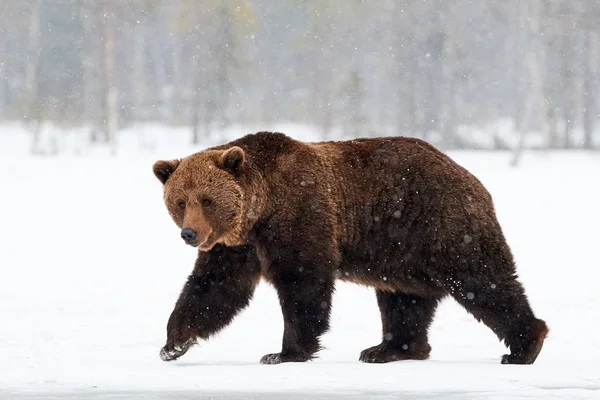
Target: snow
(92,266)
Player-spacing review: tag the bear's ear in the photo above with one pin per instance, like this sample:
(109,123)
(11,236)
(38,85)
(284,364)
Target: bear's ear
(164,169)
(233,160)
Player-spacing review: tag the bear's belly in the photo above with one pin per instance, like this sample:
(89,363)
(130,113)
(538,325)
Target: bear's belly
(390,279)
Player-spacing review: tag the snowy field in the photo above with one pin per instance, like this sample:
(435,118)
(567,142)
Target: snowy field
(92,265)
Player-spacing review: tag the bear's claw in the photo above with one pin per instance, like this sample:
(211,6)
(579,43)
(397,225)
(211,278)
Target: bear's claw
(170,354)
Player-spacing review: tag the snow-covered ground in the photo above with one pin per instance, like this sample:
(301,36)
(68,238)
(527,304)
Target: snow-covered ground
(91,266)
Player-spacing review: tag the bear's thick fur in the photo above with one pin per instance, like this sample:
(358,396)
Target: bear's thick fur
(392,213)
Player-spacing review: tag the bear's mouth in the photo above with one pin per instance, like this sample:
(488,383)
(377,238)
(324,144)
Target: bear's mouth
(203,245)
(197,243)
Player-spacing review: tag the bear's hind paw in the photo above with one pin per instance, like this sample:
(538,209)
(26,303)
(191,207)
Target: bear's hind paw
(384,353)
(278,358)
(528,353)
(274,358)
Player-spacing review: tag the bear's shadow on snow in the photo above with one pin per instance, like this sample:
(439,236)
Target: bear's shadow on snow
(225,363)
(402,364)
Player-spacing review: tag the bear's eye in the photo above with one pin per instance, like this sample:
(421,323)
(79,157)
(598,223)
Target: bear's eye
(206,202)
(181,204)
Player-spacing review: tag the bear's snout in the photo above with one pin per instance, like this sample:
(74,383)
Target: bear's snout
(189,235)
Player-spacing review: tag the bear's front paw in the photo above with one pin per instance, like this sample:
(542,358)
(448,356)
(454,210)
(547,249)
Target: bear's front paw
(511,359)
(173,352)
(278,358)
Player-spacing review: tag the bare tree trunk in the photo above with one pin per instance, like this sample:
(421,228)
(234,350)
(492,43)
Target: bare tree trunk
(159,70)
(112,118)
(225,55)
(139,87)
(552,89)
(201,91)
(411,77)
(447,119)
(3,77)
(178,90)
(208,115)
(412,102)
(92,77)
(519,42)
(4,68)
(569,123)
(570,93)
(570,98)
(590,103)
(552,127)
(32,111)
(535,97)
(202,102)
(195,116)
(326,114)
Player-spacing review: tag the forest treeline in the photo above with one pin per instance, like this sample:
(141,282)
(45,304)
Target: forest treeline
(347,67)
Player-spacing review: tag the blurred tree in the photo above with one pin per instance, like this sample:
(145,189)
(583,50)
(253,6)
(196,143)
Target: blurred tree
(140,21)
(352,97)
(11,17)
(590,90)
(111,93)
(213,32)
(31,105)
(328,44)
(92,51)
(530,15)
(589,20)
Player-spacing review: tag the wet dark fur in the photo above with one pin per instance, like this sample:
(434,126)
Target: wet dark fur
(392,213)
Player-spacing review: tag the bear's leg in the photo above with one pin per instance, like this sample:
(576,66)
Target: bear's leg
(306,305)
(405,320)
(501,304)
(221,285)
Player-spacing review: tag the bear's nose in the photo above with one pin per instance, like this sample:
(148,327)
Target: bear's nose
(189,235)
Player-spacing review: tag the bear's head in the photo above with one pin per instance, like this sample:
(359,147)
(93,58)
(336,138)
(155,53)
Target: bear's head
(207,197)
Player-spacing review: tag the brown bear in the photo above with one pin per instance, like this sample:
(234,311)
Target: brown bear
(392,213)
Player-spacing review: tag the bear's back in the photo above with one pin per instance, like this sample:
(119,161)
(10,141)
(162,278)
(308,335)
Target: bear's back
(363,166)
